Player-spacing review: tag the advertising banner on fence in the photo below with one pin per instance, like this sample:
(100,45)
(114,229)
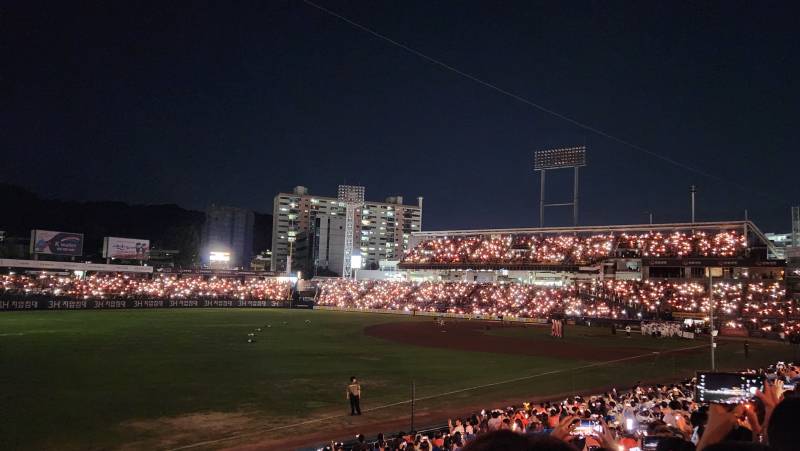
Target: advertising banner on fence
(72,266)
(65,303)
(56,243)
(126,248)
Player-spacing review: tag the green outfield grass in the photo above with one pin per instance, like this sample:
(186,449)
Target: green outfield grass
(150,379)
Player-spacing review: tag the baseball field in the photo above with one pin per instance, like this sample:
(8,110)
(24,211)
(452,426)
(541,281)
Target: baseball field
(189,379)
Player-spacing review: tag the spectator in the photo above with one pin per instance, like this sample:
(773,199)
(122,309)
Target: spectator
(782,423)
(509,441)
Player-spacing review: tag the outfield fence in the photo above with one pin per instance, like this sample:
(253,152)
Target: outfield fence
(436,314)
(66,303)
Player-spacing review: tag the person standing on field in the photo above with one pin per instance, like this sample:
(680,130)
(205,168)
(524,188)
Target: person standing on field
(354,395)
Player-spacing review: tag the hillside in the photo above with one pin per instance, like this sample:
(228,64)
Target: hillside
(167,226)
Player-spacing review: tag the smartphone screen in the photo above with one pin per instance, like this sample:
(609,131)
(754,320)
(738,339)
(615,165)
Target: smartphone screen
(727,388)
(588,427)
(629,424)
(650,443)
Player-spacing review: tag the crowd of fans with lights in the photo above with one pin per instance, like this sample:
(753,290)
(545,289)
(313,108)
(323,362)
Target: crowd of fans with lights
(746,304)
(118,286)
(572,249)
(646,417)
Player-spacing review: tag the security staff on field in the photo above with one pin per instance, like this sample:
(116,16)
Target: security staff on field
(354,395)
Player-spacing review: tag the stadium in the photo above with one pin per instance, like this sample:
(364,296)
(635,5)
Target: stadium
(190,259)
(258,358)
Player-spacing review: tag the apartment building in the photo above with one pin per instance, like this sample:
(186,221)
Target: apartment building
(311,229)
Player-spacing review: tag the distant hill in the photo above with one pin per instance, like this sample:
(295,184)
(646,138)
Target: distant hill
(167,226)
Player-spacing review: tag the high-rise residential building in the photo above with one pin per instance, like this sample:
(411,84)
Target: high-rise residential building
(311,228)
(326,245)
(782,242)
(227,240)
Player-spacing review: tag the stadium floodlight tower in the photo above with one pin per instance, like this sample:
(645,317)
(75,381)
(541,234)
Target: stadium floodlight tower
(568,157)
(352,197)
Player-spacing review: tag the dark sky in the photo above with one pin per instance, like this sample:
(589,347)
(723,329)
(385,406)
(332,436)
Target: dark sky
(231,102)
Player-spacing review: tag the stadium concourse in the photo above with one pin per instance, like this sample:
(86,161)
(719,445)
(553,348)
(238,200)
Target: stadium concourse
(646,417)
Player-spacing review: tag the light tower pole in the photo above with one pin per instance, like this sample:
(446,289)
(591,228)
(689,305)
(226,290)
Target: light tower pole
(712,272)
(291,237)
(569,157)
(352,197)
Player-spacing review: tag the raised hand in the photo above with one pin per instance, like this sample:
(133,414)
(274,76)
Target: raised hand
(562,431)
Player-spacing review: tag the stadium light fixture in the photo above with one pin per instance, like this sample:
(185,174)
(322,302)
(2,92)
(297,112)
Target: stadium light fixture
(351,194)
(568,157)
(563,158)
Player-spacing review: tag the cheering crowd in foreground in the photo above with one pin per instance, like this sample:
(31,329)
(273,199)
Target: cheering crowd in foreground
(660,418)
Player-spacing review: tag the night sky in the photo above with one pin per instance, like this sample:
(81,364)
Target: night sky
(231,102)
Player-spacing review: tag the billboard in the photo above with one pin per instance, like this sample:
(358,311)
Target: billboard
(126,248)
(56,243)
(217,257)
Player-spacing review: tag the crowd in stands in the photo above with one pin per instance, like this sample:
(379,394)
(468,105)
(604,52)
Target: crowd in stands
(611,298)
(751,305)
(572,249)
(657,418)
(118,286)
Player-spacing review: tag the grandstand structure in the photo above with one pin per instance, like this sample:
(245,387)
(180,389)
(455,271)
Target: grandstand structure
(627,252)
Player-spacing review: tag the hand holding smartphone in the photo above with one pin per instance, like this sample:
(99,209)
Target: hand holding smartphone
(588,427)
(727,388)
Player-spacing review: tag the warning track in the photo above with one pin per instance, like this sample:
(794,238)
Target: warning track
(472,336)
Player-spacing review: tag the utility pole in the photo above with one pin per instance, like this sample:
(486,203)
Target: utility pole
(711,330)
(692,191)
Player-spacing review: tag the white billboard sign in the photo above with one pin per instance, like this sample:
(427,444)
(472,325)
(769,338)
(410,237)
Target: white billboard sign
(126,248)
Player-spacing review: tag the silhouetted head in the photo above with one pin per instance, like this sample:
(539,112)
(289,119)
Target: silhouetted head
(782,429)
(505,440)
